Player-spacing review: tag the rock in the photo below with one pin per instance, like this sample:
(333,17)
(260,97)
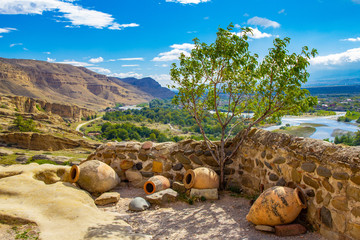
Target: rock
(5,152)
(273,177)
(311,182)
(356,211)
(143,156)
(289,230)
(341,175)
(147,145)
(72,212)
(179,187)
(139,204)
(138,165)
(96,176)
(211,161)
(133,176)
(195,159)
(177,167)
(22,159)
(107,198)
(308,167)
(327,185)
(265,228)
(182,158)
(125,164)
(323,171)
(279,160)
(147,174)
(210,194)
(161,197)
(42,156)
(340,203)
(325,216)
(309,192)
(281,182)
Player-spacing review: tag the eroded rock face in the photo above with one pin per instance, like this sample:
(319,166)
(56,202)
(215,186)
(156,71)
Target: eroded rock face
(97,177)
(72,211)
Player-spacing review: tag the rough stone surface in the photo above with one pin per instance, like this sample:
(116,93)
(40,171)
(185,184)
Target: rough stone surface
(196,159)
(265,228)
(273,177)
(323,171)
(210,161)
(22,159)
(210,194)
(179,187)
(341,175)
(326,217)
(147,145)
(182,158)
(353,193)
(289,230)
(5,152)
(133,176)
(327,186)
(139,204)
(340,203)
(162,197)
(279,160)
(147,174)
(356,211)
(107,198)
(125,164)
(356,178)
(311,182)
(308,167)
(177,167)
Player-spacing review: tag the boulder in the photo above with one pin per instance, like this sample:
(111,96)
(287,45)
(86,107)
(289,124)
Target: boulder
(162,197)
(97,177)
(5,152)
(107,198)
(210,194)
(179,187)
(139,204)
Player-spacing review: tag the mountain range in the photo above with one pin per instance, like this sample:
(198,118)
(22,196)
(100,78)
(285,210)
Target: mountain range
(76,85)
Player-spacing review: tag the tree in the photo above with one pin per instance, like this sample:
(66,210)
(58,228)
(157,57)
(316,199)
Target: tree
(226,70)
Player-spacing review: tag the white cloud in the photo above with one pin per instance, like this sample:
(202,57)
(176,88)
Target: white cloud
(163,79)
(175,52)
(48,53)
(351,55)
(100,70)
(356,1)
(15,44)
(128,59)
(51,60)
(1,36)
(188,1)
(130,65)
(96,60)
(264,22)
(76,63)
(256,34)
(128,74)
(281,11)
(7,30)
(74,14)
(352,39)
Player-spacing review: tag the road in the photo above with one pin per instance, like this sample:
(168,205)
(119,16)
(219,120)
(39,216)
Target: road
(82,124)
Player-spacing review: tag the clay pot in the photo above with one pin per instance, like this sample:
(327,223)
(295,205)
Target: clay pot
(155,184)
(201,178)
(277,205)
(94,176)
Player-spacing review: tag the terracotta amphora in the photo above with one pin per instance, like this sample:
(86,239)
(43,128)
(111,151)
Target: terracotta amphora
(201,178)
(94,176)
(276,206)
(156,183)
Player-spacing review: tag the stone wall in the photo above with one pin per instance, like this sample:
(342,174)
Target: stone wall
(328,173)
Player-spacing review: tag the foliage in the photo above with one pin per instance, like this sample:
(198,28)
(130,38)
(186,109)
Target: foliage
(38,107)
(269,89)
(27,234)
(350,139)
(25,125)
(117,105)
(143,105)
(349,116)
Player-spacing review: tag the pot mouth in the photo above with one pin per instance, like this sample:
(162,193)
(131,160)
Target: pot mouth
(189,179)
(74,174)
(149,187)
(300,197)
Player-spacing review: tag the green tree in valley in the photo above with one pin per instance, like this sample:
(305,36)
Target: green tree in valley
(269,89)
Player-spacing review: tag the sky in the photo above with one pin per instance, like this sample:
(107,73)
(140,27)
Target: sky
(141,38)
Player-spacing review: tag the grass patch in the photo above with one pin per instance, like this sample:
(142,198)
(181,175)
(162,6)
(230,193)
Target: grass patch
(299,131)
(41,161)
(313,125)
(8,160)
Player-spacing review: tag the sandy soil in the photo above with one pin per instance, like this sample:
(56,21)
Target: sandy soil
(221,219)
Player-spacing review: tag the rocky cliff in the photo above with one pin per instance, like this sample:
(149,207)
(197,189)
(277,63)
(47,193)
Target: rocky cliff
(64,83)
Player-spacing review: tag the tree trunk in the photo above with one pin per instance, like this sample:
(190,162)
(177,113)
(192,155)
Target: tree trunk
(222,176)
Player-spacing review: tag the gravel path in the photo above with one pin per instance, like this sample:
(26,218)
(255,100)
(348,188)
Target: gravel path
(221,219)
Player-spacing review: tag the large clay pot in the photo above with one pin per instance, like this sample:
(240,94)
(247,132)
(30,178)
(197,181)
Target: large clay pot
(277,205)
(155,184)
(94,176)
(201,178)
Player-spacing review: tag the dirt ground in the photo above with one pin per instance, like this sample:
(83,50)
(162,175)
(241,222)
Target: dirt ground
(220,219)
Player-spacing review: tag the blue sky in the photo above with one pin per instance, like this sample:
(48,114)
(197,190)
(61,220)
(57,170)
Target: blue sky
(142,38)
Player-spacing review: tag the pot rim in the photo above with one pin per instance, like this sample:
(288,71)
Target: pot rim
(300,197)
(74,173)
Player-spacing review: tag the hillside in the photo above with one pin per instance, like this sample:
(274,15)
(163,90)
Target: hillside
(65,83)
(149,86)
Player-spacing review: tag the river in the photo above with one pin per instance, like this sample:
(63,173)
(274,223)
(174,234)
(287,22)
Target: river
(330,124)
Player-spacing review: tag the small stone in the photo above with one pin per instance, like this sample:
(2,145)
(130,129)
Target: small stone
(148,166)
(139,204)
(147,145)
(22,159)
(341,175)
(210,161)
(177,167)
(132,156)
(273,177)
(199,152)
(182,158)
(179,177)
(207,153)
(323,171)
(147,174)
(356,178)
(107,198)
(179,187)
(263,154)
(42,156)
(309,192)
(295,175)
(268,165)
(327,199)
(269,156)
(311,182)
(161,197)
(308,167)
(210,194)
(265,228)
(279,160)
(121,156)
(228,162)
(327,185)
(4,152)
(188,152)
(326,218)
(340,203)
(340,186)
(167,167)
(139,166)
(319,198)
(354,230)
(125,164)
(356,211)
(196,159)
(353,193)
(289,230)
(133,176)
(143,156)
